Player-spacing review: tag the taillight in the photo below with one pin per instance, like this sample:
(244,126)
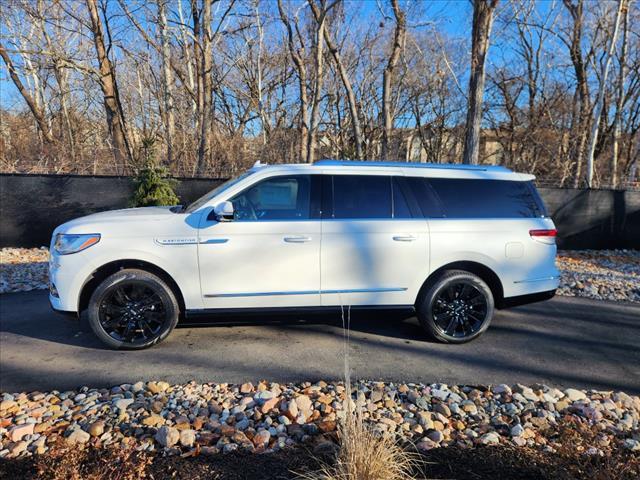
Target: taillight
(547,236)
(552,232)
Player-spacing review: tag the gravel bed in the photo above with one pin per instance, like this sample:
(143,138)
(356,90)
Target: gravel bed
(23,269)
(598,274)
(220,418)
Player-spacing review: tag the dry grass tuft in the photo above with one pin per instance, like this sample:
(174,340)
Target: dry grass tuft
(364,454)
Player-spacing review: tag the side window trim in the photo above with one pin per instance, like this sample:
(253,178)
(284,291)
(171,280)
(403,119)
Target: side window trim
(326,202)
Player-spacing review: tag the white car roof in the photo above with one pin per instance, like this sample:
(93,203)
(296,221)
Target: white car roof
(362,167)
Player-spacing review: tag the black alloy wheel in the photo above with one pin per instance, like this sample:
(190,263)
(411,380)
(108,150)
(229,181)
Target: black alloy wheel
(132,312)
(132,309)
(459,309)
(456,307)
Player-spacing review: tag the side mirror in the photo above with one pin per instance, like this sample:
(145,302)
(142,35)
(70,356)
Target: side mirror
(223,212)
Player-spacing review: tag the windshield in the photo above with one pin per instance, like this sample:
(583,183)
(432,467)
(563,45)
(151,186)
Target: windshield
(219,189)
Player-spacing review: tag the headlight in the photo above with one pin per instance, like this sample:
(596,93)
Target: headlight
(66,244)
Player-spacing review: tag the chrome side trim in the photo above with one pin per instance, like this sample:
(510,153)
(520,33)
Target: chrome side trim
(214,241)
(541,279)
(366,290)
(260,294)
(304,292)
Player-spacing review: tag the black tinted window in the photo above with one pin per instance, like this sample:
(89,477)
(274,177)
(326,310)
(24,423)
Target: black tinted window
(400,205)
(470,198)
(426,198)
(361,196)
(277,198)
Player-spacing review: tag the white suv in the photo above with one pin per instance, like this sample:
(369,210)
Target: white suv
(448,241)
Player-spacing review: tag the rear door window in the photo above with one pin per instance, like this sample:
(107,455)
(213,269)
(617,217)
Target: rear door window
(471,198)
(361,197)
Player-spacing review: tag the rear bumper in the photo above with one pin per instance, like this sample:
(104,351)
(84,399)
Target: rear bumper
(526,299)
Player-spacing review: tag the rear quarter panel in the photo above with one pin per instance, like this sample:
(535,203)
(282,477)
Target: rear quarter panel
(523,264)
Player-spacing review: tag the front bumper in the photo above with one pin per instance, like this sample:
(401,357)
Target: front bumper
(56,306)
(65,281)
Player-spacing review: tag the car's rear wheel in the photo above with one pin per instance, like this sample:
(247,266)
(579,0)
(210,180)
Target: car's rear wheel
(132,309)
(456,308)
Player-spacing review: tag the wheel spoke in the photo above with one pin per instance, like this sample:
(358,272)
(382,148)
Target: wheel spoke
(126,335)
(121,297)
(473,316)
(450,330)
(113,321)
(451,292)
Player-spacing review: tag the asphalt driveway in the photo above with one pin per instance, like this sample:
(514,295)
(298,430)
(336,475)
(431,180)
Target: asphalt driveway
(562,342)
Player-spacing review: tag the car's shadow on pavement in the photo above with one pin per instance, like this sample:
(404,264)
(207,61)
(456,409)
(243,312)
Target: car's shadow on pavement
(75,331)
(404,326)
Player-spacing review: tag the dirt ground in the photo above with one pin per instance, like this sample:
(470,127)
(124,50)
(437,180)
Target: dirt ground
(490,463)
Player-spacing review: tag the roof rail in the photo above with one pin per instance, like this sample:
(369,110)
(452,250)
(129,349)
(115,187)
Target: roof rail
(443,166)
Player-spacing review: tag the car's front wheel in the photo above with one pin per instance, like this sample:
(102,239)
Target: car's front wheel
(456,308)
(132,309)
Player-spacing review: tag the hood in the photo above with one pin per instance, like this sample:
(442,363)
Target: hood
(129,213)
(133,217)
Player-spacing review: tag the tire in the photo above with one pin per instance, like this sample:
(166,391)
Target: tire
(456,308)
(132,310)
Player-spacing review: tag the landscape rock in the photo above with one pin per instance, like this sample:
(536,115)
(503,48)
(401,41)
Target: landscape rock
(167,436)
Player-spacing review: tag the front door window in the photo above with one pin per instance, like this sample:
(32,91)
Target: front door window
(278,198)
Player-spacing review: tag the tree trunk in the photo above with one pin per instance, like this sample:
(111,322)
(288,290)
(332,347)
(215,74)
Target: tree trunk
(603,86)
(387,76)
(109,86)
(264,121)
(204,61)
(346,82)
(301,69)
(481,32)
(617,120)
(187,56)
(581,110)
(167,80)
(317,90)
(37,112)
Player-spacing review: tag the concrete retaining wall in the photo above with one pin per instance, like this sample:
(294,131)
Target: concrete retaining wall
(31,206)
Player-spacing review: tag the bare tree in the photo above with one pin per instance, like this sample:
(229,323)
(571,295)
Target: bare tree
(109,86)
(212,83)
(601,92)
(581,98)
(617,120)
(167,80)
(387,77)
(36,110)
(346,82)
(298,56)
(481,32)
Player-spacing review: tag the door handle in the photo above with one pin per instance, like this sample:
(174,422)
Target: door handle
(297,239)
(405,238)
